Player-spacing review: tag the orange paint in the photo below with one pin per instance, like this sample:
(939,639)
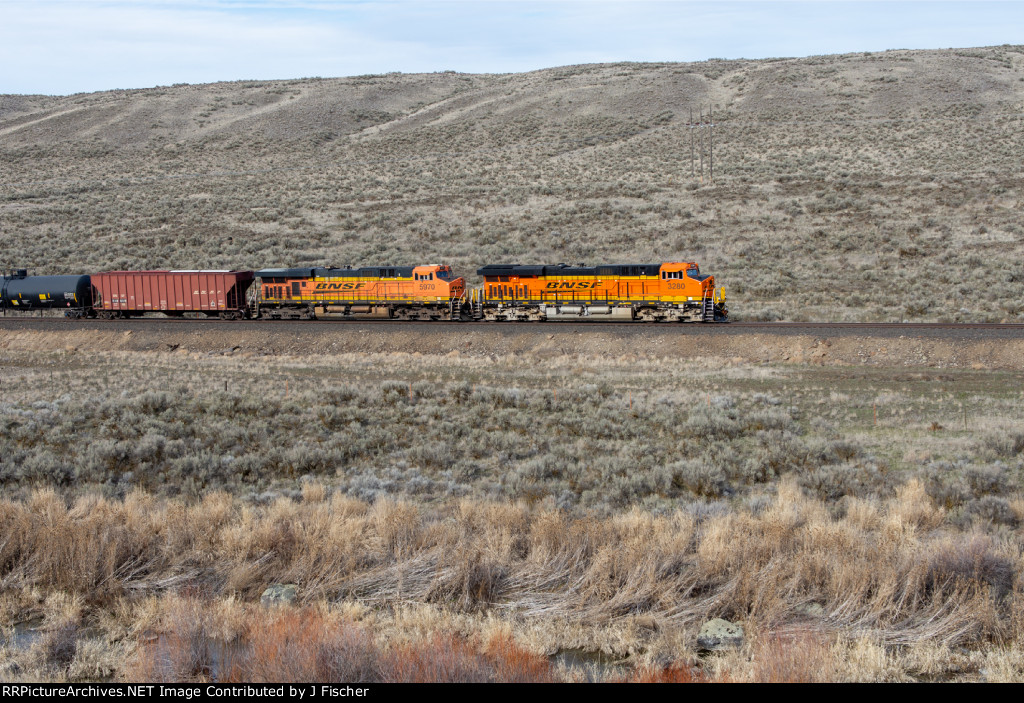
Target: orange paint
(424,284)
(673,282)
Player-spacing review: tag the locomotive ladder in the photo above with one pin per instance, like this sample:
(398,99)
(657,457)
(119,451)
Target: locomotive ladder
(476,307)
(709,309)
(252,299)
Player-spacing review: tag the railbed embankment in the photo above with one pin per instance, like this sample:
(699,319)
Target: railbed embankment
(969,347)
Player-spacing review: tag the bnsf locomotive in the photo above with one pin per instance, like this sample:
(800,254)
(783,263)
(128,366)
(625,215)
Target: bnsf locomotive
(402,292)
(669,292)
(666,292)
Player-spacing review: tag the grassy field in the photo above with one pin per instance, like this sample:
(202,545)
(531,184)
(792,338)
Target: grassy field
(506,508)
(868,186)
(860,523)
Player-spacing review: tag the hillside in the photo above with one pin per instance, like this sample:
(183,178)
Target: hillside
(879,186)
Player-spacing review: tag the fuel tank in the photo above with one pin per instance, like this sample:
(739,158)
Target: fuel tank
(19,291)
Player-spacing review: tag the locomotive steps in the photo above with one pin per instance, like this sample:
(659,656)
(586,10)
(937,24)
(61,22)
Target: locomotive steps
(969,347)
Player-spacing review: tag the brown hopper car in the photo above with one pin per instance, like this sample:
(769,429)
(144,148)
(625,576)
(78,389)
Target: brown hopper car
(132,293)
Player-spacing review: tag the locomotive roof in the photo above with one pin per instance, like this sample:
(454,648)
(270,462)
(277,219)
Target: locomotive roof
(567,270)
(367,271)
(285,273)
(364,272)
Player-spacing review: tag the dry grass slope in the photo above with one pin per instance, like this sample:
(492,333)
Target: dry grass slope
(878,186)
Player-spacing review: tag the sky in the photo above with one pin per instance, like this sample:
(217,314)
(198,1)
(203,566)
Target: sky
(59,47)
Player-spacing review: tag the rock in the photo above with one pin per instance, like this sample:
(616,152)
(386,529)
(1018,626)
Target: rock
(718,634)
(811,610)
(280,594)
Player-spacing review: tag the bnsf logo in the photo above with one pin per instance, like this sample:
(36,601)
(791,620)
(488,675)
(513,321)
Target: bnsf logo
(339,286)
(570,285)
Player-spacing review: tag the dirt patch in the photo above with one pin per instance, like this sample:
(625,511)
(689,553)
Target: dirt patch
(537,343)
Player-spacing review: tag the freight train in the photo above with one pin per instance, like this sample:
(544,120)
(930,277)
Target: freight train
(666,292)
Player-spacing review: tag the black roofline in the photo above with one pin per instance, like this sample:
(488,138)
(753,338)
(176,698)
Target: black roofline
(567,270)
(364,272)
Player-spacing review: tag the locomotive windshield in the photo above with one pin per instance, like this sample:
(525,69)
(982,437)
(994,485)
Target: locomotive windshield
(694,273)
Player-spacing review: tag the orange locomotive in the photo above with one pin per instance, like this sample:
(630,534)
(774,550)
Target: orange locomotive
(429,292)
(674,291)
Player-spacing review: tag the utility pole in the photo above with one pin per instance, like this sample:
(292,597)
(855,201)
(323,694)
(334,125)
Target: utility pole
(702,144)
(693,171)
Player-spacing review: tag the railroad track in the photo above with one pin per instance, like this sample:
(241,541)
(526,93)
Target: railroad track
(11,322)
(33,319)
